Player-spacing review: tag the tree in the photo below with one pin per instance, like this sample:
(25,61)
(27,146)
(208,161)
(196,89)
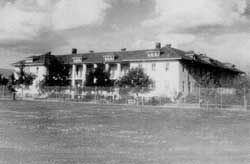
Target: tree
(135,81)
(57,73)
(242,82)
(207,80)
(3,80)
(24,79)
(98,77)
(11,85)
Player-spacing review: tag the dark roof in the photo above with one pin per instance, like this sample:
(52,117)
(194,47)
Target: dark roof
(137,55)
(36,60)
(166,53)
(203,59)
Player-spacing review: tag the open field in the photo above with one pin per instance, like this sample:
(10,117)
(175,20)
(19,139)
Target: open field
(48,133)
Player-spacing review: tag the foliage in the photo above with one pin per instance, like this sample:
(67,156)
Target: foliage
(25,79)
(191,98)
(241,82)
(57,73)
(208,80)
(135,81)
(98,77)
(11,83)
(3,80)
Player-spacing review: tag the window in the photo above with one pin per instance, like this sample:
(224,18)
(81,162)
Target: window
(189,87)
(183,86)
(189,83)
(140,65)
(109,58)
(29,60)
(153,66)
(153,85)
(37,70)
(166,66)
(183,68)
(77,59)
(153,53)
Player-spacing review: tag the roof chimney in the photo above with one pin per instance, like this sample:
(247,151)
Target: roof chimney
(74,51)
(123,49)
(190,52)
(48,53)
(158,45)
(168,45)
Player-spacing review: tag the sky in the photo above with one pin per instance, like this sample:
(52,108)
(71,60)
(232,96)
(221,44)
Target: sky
(218,28)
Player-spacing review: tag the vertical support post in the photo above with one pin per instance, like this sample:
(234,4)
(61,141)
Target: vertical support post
(199,98)
(245,99)
(95,95)
(73,83)
(84,70)
(221,101)
(118,70)
(3,90)
(106,67)
(73,75)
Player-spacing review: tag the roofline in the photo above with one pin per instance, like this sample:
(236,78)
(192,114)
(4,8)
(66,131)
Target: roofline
(180,56)
(29,64)
(158,59)
(215,66)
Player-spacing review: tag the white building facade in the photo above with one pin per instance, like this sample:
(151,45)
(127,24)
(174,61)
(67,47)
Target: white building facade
(173,71)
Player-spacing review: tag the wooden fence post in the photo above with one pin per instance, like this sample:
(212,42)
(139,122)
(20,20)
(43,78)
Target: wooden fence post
(3,91)
(245,98)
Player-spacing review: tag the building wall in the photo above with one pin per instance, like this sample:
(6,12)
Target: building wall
(170,77)
(39,71)
(165,75)
(187,81)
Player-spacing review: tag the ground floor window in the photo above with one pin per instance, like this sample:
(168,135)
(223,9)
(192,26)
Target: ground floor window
(183,86)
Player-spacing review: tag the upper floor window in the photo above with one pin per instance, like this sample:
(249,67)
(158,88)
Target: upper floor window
(153,53)
(77,59)
(29,60)
(109,58)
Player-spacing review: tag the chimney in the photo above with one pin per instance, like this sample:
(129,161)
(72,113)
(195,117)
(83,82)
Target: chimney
(158,45)
(48,53)
(168,45)
(91,51)
(190,52)
(123,49)
(74,51)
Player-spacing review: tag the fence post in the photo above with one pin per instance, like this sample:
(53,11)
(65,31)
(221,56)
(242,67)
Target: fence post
(199,94)
(95,96)
(142,100)
(3,91)
(245,98)
(221,98)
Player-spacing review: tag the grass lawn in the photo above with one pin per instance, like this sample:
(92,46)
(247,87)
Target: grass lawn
(58,133)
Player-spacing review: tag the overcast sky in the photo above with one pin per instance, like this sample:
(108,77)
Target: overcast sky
(219,28)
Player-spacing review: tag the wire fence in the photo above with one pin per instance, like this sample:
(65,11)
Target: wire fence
(199,97)
(5,93)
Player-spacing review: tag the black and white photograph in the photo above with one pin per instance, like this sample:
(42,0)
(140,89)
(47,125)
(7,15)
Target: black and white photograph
(124,81)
